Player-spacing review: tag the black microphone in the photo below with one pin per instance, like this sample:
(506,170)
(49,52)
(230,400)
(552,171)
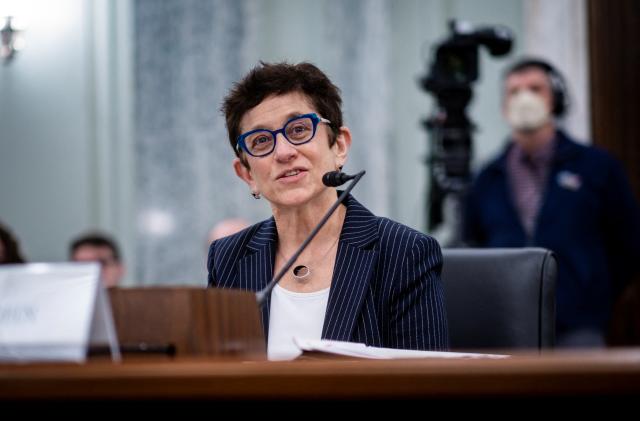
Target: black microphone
(333,177)
(336,178)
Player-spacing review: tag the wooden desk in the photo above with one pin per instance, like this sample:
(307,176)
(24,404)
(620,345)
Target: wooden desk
(586,374)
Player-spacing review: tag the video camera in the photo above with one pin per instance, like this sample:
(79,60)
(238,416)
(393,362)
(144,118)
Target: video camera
(451,75)
(456,62)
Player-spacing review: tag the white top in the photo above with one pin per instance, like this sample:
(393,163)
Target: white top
(294,314)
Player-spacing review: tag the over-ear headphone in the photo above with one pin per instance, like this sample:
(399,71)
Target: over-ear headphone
(558,85)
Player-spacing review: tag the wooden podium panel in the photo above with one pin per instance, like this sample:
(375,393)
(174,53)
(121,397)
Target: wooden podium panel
(188,321)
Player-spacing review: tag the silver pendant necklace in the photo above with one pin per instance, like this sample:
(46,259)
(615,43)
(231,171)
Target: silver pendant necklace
(302,272)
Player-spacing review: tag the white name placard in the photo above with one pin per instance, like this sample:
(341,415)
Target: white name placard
(54,312)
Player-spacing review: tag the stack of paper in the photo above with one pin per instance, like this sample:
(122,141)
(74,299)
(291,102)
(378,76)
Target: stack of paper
(359,350)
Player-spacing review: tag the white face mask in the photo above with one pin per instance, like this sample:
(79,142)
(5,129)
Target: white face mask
(527,111)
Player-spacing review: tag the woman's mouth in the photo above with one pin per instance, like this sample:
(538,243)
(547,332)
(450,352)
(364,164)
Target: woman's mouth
(292,175)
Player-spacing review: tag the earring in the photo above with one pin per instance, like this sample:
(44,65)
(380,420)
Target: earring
(255,195)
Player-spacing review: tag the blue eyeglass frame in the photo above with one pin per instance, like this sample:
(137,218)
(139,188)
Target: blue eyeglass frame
(315,119)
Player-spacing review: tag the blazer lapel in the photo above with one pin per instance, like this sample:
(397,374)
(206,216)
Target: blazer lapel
(255,269)
(354,265)
(552,198)
(353,270)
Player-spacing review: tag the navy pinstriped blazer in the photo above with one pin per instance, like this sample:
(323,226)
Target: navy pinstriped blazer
(386,289)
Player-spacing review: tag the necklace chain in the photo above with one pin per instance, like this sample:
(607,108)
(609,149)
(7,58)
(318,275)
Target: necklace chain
(302,271)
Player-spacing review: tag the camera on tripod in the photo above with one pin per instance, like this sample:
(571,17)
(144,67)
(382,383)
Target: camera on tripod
(450,79)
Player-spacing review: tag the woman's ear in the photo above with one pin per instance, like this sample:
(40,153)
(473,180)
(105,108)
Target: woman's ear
(244,172)
(341,146)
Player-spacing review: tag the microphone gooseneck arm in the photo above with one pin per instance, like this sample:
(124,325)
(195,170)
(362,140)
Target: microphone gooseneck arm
(261,296)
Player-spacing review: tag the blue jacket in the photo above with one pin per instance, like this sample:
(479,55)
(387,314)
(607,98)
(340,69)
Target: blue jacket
(386,289)
(588,217)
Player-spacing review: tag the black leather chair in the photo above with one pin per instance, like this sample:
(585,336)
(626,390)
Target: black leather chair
(500,298)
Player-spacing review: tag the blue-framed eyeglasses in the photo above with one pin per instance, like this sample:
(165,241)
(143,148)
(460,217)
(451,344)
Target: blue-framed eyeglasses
(298,130)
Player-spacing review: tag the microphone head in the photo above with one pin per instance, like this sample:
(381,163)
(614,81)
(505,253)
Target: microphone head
(334,179)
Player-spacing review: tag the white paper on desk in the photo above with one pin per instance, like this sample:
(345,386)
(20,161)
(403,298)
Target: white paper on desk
(359,350)
(53,311)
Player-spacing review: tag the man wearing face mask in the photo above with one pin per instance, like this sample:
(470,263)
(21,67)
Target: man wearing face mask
(546,190)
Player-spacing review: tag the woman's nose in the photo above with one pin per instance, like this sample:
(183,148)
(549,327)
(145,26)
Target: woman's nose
(284,150)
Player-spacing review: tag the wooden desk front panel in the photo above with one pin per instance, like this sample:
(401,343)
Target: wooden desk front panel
(561,374)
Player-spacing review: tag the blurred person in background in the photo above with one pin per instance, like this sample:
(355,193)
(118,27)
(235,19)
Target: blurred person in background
(547,190)
(101,248)
(9,247)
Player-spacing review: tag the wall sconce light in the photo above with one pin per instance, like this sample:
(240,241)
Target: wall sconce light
(11,40)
